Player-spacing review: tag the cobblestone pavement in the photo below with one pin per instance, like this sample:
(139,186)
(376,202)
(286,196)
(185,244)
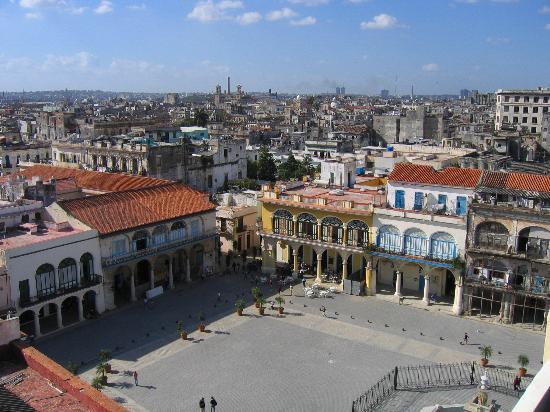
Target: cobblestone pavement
(299,362)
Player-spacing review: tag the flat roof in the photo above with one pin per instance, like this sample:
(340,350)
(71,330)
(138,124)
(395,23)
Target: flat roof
(19,238)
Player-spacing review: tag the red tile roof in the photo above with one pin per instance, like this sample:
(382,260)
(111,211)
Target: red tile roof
(450,176)
(97,181)
(114,212)
(517,181)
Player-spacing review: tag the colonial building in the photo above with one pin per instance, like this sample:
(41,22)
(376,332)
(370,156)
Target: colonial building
(421,231)
(509,248)
(324,228)
(522,108)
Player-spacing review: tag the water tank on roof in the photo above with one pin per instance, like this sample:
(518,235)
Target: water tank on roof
(389,149)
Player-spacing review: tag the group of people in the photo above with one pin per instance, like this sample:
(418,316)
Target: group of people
(213,404)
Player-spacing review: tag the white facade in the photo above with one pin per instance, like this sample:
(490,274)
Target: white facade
(522,108)
(338,172)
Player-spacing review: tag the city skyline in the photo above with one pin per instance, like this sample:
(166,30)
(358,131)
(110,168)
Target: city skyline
(289,46)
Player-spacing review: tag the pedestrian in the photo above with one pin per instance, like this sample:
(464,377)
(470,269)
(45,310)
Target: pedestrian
(213,404)
(280,289)
(234,268)
(136,378)
(290,290)
(219,296)
(466,338)
(270,282)
(517,383)
(304,282)
(323,310)
(202,404)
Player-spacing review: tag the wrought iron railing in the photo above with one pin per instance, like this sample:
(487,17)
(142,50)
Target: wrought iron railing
(417,246)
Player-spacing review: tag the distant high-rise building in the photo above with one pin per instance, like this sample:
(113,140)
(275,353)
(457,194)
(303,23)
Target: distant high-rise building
(337,91)
(342,91)
(464,93)
(229,85)
(172,98)
(384,94)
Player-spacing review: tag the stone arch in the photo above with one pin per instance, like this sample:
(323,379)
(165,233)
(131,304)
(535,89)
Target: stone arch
(492,235)
(196,260)
(26,322)
(143,272)
(67,272)
(332,230)
(412,277)
(89,304)
(443,246)
(307,226)
(415,242)
(357,233)
(282,222)
(178,230)
(534,241)
(389,238)
(161,269)
(87,271)
(69,310)
(47,315)
(179,266)
(122,285)
(160,235)
(45,280)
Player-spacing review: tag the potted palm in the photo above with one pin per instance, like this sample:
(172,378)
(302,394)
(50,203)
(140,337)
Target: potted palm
(101,372)
(181,331)
(523,361)
(105,357)
(202,318)
(280,301)
(240,305)
(256,293)
(486,352)
(260,302)
(97,383)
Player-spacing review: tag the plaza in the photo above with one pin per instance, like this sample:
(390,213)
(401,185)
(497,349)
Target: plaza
(296,362)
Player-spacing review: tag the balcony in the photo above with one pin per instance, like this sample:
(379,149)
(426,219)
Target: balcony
(414,246)
(49,294)
(171,242)
(521,247)
(509,282)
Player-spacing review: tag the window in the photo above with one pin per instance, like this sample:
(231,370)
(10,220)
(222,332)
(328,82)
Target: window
(525,110)
(24,291)
(536,99)
(535,109)
(195,228)
(546,99)
(526,99)
(533,130)
(399,199)
(524,120)
(442,200)
(224,152)
(545,109)
(210,181)
(118,247)
(418,200)
(515,120)
(506,108)
(505,119)
(461,205)
(516,109)
(45,280)
(516,98)
(534,120)
(67,273)
(506,98)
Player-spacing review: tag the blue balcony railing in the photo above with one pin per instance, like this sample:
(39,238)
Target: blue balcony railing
(417,246)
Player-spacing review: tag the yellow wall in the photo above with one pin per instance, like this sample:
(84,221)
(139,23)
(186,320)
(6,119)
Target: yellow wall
(547,345)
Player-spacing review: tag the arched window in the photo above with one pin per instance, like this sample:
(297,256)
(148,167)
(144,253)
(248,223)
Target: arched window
(389,238)
(68,274)
(45,280)
(177,231)
(357,233)
(160,235)
(534,242)
(332,230)
(87,266)
(307,226)
(443,246)
(140,240)
(416,242)
(491,235)
(282,222)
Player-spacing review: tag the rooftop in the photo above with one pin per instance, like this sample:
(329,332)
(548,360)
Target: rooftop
(22,237)
(450,176)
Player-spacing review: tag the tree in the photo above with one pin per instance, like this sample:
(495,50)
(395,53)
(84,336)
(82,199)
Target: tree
(251,169)
(291,169)
(267,169)
(201,118)
(307,166)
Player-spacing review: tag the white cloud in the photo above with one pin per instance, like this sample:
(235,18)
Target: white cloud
(133,66)
(358,1)
(14,63)
(137,7)
(430,67)
(35,4)
(380,22)
(310,2)
(497,40)
(33,16)
(78,61)
(284,13)
(250,17)
(306,21)
(104,7)
(547,26)
(545,10)
(208,10)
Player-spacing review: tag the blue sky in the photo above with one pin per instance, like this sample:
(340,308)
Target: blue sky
(301,46)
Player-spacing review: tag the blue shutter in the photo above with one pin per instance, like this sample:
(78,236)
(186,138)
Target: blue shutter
(442,199)
(400,199)
(418,199)
(461,205)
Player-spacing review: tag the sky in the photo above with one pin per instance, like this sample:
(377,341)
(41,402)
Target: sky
(290,46)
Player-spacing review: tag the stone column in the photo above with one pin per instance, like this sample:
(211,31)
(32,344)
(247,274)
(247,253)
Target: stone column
(36,319)
(398,284)
(59,317)
(458,305)
(369,281)
(426,299)
(506,311)
(170,273)
(132,288)
(188,268)
(345,234)
(295,226)
(319,267)
(319,231)
(152,277)
(295,261)
(344,268)
(80,310)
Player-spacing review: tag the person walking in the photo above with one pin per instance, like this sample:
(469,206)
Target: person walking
(290,290)
(517,383)
(202,405)
(136,378)
(466,337)
(213,404)
(323,310)
(304,282)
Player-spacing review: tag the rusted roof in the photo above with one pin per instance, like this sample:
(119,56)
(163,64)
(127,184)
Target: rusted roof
(118,211)
(450,176)
(523,182)
(97,181)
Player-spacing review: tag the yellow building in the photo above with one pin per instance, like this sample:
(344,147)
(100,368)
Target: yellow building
(323,228)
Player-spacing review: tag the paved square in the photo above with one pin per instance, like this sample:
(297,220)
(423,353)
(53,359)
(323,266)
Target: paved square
(299,362)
